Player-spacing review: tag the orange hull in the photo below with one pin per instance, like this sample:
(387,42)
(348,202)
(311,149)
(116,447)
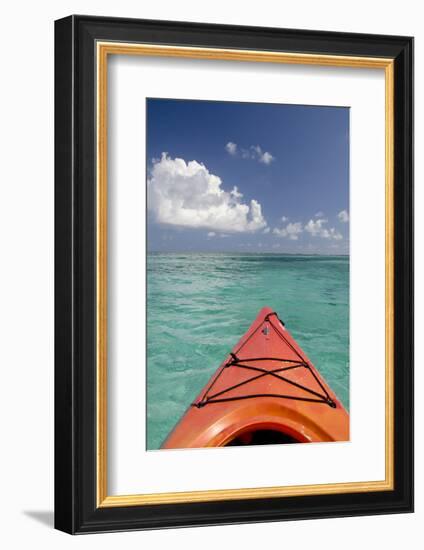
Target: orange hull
(266,391)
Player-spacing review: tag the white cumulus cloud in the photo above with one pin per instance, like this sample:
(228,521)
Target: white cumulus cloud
(231,148)
(317,229)
(343,216)
(266,158)
(254,152)
(260,155)
(186,194)
(291,231)
(236,193)
(335,235)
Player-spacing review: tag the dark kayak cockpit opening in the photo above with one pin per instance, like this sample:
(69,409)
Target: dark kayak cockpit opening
(261,437)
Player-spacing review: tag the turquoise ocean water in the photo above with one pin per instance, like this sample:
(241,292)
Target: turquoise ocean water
(199,304)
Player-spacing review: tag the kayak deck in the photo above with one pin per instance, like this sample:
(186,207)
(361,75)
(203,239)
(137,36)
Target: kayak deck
(305,386)
(266,391)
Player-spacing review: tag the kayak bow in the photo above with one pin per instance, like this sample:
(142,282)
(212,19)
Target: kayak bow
(266,391)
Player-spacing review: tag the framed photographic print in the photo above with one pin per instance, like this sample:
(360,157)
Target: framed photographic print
(233,273)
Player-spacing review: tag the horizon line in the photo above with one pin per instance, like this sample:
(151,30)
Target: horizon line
(246,252)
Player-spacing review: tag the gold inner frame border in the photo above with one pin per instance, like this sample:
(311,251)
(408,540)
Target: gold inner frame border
(103,50)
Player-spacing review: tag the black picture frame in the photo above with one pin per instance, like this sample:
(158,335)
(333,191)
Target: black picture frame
(76,510)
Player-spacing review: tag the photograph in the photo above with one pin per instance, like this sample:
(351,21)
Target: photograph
(247,315)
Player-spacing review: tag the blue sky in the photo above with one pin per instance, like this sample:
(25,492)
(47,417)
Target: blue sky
(247,177)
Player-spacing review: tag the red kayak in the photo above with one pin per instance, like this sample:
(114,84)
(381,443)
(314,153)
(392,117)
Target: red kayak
(265,392)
